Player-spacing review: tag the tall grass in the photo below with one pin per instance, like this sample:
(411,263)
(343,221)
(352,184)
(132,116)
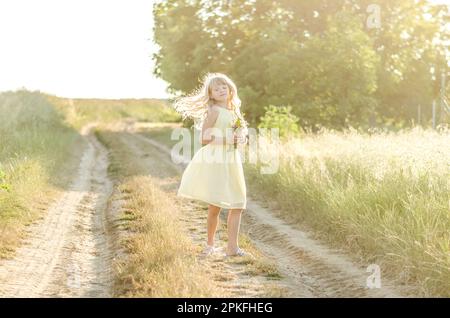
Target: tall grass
(384,197)
(31,160)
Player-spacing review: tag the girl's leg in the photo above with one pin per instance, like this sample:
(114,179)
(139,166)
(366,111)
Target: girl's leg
(233,224)
(213,220)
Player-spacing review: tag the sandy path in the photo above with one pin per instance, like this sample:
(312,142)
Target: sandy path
(310,268)
(68,252)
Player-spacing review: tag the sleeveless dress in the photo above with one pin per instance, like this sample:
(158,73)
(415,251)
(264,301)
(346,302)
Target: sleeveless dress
(215,174)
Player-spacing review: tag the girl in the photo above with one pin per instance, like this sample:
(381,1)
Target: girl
(215,107)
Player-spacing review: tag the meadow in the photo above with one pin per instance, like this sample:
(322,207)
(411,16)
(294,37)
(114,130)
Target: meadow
(80,111)
(385,197)
(382,196)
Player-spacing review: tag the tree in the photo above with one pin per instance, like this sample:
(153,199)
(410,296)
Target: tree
(318,56)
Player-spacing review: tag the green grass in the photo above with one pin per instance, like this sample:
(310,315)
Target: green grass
(33,163)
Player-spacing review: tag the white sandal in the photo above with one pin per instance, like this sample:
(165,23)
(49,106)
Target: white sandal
(208,250)
(239,252)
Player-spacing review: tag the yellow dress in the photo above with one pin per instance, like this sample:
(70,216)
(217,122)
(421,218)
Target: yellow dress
(215,174)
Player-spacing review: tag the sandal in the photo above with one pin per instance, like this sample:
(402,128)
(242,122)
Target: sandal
(239,252)
(208,250)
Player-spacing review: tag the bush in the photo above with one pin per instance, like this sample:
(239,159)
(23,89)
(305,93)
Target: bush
(280,117)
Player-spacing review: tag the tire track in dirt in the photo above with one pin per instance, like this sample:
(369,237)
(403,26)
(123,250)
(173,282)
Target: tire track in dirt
(232,278)
(313,269)
(68,253)
(325,272)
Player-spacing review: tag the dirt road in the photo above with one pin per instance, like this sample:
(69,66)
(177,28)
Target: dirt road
(67,253)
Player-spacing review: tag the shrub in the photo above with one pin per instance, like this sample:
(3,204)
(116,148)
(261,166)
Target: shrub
(280,117)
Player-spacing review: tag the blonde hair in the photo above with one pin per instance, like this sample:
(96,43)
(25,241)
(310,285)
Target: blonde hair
(196,104)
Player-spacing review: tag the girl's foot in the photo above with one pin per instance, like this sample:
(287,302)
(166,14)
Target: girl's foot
(208,250)
(238,252)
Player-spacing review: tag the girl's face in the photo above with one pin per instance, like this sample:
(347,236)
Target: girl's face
(220,92)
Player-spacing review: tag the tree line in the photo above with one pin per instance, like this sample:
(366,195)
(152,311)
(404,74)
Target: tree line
(336,63)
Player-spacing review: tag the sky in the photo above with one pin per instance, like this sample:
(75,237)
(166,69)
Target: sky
(79,48)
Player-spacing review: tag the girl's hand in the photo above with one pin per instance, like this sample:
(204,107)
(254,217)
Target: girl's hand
(240,139)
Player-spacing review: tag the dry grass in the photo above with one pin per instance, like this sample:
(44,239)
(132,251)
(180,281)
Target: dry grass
(385,197)
(160,259)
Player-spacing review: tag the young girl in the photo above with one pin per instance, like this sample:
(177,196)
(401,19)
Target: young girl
(215,107)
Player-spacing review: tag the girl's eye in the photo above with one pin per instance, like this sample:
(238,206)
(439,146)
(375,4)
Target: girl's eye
(218,88)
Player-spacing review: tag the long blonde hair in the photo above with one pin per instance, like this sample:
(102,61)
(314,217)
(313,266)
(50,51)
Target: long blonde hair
(196,104)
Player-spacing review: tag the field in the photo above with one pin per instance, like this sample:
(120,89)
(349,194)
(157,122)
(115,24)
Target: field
(381,198)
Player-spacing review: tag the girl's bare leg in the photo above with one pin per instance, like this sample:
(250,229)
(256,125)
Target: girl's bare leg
(233,224)
(213,220)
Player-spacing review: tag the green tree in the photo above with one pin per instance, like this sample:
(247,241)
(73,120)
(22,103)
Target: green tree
(318,56)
